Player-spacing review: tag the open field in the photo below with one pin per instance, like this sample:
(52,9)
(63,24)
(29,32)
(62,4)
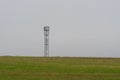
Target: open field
(41,68)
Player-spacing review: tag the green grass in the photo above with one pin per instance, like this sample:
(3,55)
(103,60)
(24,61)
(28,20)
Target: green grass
(56,68)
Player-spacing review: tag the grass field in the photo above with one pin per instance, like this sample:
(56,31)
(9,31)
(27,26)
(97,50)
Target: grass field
(41,68)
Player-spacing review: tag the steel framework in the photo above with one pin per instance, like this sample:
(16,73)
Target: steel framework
(46,41)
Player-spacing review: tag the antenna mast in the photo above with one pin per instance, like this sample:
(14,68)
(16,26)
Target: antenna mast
(46,41)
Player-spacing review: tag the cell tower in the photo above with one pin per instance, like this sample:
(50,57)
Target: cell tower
(46,41)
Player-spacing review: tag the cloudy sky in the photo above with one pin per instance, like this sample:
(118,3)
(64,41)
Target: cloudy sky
(87,28)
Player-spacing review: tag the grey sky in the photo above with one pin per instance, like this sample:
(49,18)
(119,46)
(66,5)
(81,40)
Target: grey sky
(78,27)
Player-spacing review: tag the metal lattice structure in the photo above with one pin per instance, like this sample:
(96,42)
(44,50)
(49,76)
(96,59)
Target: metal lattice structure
(46,41)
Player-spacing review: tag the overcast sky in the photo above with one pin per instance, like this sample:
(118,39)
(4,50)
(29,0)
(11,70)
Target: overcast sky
(86,28)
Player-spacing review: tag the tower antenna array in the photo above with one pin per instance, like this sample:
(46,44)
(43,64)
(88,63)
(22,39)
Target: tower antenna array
(46,41)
